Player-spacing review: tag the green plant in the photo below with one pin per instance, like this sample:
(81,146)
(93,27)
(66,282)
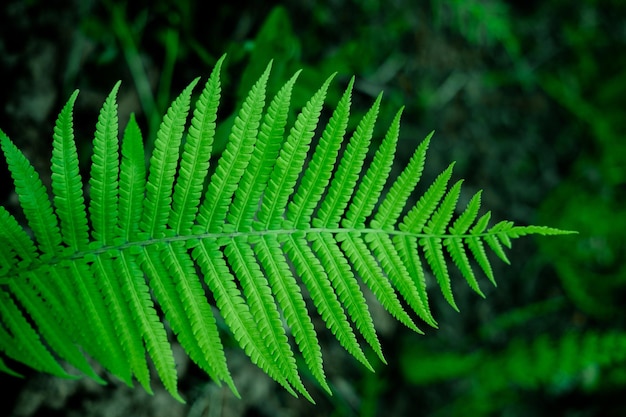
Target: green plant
(480,22)
(88,278)
(497,378)
(589,86)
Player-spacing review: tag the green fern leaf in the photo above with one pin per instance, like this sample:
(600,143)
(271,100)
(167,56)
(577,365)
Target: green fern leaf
(395,200)
(194,162)
(317,176)
(20,244)
(373,276)
(347,288)
(163,165)
(31,349)
(132,181)
(33,198)
(465,220)
(264,311)
(189,314)
(454,244)
(292,303)
(67,186)
(372,183)
(325,299)
(142,307)
(235,158)
(433,249)
(392,263)
(234,309)
(407,249)
(417,217)
(344,180)
(47,320)
(126,326)
(276,224)
(254,181)
(105,173)
(290,161)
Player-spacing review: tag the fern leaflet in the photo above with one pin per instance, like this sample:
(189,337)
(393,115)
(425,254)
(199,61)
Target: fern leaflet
(277,217)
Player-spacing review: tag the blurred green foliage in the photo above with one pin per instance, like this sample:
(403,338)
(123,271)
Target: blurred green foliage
(496,380)
(590,84)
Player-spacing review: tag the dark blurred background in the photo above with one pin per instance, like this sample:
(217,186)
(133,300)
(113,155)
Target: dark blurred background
(527,97)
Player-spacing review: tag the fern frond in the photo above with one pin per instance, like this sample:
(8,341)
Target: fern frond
(372,183)
(47,321)
(30,348)
(290,161)
(395,200)
(235,311)
(347,288)
(20,246)
(67,186)
(126,325)
(292,303)
(344,180)
(142,309)
(33,198)
(325,299)
(163,164)
(254,181)
(100,336)
(105,172)
(264,311)
(132,181)
(368,269)
(392,262)
(433,248)
(235,158)
(465,220)
(455,248)
(194,162)
(476,247)
(316,177)
(417,217)
(276,226)
(198,320)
